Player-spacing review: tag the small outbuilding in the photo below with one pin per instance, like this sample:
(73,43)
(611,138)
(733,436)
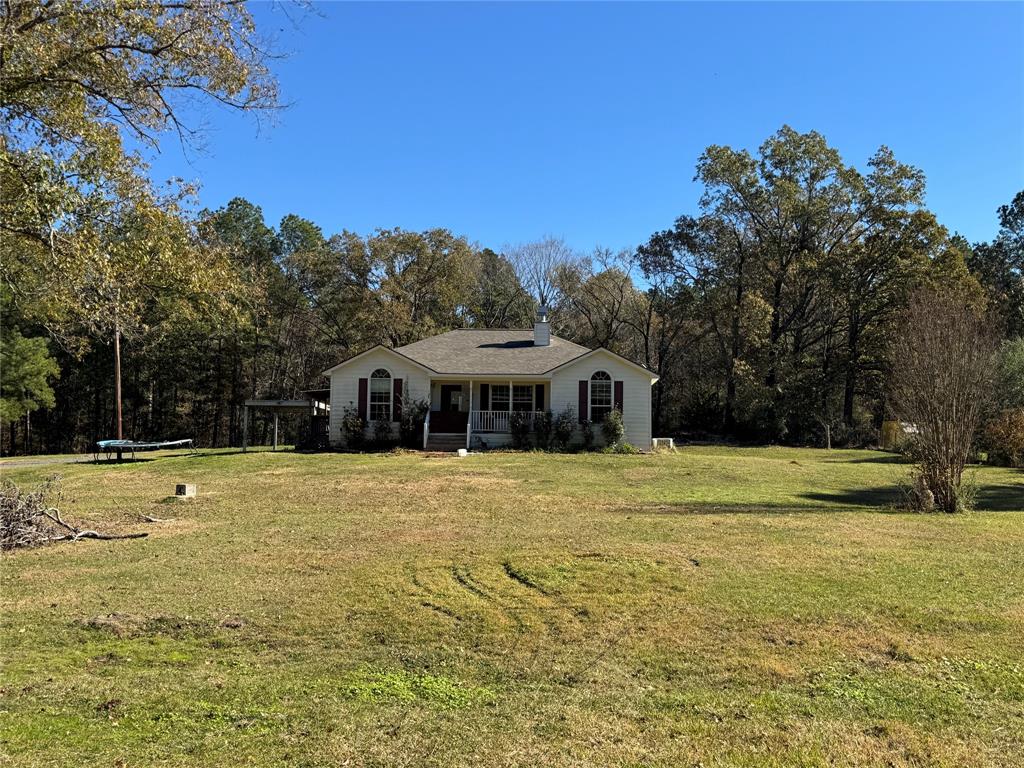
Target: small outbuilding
(316,405)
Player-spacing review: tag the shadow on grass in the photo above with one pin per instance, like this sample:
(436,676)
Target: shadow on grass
(888,458)
(217,452)
(1007,497)
(754,508)
(888,496)
(887,500)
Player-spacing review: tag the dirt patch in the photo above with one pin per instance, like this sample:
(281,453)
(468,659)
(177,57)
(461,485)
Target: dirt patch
(459,483)
(108,706)
(127,625)
(117,624)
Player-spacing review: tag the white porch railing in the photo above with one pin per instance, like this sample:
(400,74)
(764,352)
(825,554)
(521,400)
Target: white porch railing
(496,421)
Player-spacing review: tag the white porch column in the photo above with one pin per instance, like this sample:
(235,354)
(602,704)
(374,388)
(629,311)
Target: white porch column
(469,420)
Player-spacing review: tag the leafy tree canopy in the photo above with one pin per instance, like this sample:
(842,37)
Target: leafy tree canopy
(87,238)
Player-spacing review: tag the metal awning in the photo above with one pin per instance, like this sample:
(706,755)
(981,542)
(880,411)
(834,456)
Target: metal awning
(280,405)
(314,405)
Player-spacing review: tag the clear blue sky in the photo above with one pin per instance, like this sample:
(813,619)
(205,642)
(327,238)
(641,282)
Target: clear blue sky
(506,122)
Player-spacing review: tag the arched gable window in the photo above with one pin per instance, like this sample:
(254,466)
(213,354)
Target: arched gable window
(600,396)
(380,395)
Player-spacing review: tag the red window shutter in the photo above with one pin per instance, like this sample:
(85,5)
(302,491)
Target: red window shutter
(618,395)
(538,397)
(396,410)
(485,397)
(584,397)
(364,388)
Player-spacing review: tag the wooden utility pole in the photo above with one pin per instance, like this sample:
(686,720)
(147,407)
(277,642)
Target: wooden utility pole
(117,382)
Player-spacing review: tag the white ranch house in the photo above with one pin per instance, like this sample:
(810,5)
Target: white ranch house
(475,379)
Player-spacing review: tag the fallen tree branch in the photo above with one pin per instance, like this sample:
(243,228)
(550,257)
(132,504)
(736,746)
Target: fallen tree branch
(29,518)
(98,535)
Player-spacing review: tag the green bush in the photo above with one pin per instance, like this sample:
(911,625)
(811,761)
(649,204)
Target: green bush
(613,428)
(382,436)
(565,424)
(1003,438)
(543,427)
(414,413)
(519,425)
(623,448)
(353,427)
(587,428)
(1010,374)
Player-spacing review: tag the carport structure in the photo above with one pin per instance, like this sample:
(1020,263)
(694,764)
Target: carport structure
(316,405)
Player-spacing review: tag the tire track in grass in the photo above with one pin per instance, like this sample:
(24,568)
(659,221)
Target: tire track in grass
(529,605)
(428,598)
(464,578)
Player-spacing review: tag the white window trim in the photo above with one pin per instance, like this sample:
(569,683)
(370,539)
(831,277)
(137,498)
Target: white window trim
(590,392)
(533,396)
(511,388)
(490,397)
(391,395)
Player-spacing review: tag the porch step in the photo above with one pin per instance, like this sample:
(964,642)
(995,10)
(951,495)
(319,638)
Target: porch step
(445,442)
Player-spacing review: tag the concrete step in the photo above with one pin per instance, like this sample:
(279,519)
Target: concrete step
(445,442)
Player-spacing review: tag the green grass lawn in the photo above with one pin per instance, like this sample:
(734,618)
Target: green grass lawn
(718,606)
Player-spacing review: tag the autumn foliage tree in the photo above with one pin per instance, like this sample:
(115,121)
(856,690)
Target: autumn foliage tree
(86,235)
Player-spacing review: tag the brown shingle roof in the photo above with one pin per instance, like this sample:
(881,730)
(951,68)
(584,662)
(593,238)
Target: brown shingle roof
(490,352)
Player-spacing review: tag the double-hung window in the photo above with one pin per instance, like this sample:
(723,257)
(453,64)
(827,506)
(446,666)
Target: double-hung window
(380,395)
(499,397)
(522,397)
(600,396)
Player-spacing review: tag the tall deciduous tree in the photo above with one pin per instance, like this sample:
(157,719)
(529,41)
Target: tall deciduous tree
(999,265)
(86,236)
(422,283)
(537,265)
(799,262)
(499,300)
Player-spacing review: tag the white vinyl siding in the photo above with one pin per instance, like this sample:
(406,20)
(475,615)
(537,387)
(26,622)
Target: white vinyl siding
(345,384)
(636,393)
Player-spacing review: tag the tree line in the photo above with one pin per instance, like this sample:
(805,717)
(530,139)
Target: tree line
(770,312)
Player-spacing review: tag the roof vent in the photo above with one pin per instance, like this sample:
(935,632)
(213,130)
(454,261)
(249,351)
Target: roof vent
(542,329)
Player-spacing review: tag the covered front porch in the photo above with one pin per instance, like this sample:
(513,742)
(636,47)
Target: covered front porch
(467,411)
